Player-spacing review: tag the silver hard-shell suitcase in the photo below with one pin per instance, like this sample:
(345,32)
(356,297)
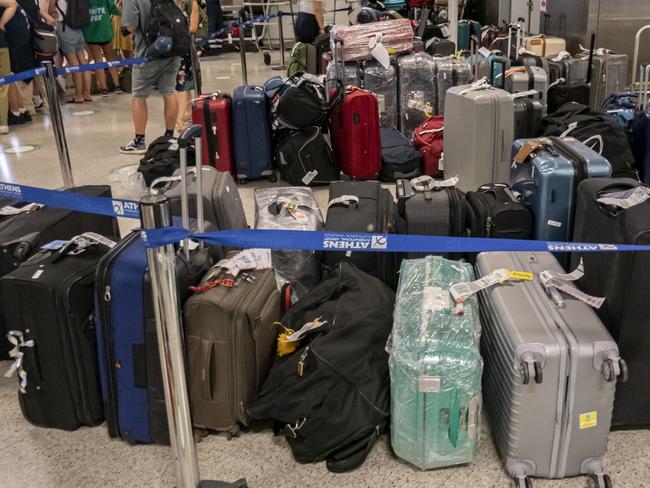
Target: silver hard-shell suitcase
(479,132)
(550,373)
(529,78)
(609,75)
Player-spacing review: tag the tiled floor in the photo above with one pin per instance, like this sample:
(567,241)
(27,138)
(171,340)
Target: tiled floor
(31,457)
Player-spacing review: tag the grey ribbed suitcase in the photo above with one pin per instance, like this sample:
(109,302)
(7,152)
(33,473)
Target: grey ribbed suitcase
(550,374)
(479,132)
(609,75)
(529,78)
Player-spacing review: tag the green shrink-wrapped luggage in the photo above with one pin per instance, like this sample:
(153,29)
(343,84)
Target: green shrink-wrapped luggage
(435,366)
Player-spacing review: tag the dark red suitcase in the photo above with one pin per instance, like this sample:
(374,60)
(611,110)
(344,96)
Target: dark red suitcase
(214,111)
(354,126)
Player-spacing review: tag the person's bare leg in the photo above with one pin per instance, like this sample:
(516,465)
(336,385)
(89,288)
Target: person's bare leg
(77,78)
(109,54)
(96,54)
(140,114)
(15,100)
(86,78)
(182,99)
(171,111)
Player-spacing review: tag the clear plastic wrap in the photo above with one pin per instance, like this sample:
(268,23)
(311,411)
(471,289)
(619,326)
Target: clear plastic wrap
(396,36)
(383,83)
(352,74)
(450,72)
(291,208)
(417,88)
(435,366)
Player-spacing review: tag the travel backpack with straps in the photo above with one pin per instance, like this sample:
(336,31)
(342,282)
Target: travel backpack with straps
(77,15)
(168,21)
(298,102)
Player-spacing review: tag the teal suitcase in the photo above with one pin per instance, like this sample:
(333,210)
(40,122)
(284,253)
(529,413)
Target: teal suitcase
(435,366)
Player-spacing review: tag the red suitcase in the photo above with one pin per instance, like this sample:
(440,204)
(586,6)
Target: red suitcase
(214,111)
(354,126)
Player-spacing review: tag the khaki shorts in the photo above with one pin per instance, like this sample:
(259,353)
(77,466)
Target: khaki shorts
(161,72)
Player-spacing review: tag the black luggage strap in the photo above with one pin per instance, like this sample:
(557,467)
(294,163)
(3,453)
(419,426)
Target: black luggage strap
(210,135)
(531,78)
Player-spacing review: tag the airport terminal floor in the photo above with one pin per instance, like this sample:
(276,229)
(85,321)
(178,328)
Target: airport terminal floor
(33,457)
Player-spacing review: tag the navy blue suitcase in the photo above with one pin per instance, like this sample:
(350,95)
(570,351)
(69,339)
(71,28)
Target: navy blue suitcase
(129,364)
(252,134)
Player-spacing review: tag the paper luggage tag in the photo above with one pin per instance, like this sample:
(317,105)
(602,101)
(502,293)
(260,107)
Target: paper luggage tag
(625,199)
(462,291)
(485,52)
(426,183)
(309,176)
(309,326)
(530,147)
(9,210)
(378,51)
(561,281)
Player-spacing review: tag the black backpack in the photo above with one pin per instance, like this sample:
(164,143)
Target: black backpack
(162,159)
(598,131)
(331,397)
(78,14)
(168,20)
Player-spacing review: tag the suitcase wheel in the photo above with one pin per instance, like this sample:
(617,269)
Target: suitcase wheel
(267,58)
(608,370)
(539,374)
(242,181)
(622,378)
(523,372)
(523,482)
(600,481)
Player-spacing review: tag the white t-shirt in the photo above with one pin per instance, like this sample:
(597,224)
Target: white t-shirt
(61,6)
(307,6)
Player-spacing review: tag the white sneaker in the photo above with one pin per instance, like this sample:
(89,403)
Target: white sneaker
(4,129)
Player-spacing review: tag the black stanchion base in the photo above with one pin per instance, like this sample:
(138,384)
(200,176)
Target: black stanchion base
(222,484)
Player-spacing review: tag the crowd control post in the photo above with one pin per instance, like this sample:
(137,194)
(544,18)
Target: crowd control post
(57,123)
(155,213)
(242,51)
(282,65)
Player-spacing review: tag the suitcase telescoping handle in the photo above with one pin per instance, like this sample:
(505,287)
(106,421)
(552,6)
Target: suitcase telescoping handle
(192,133)
(637,45)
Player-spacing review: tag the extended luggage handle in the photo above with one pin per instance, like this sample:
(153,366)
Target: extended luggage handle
(644,85)
(637,45)
(192,133)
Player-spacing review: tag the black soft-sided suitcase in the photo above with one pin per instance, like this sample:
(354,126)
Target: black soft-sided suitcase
(362,206)
(23,234)
(49,307)
(494,211)
(623,279)
(399,157)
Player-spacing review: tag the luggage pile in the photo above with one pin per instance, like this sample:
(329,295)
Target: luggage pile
(336,346)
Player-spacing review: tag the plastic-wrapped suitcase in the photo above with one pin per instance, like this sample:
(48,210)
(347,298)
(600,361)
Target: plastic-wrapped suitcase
(252,134)
(352,72)
(547,180)
(383,83)
(399,157)
(529,115)
(450,72)
(362,206)
(528,78)
(23,234)
(213,112)
(59,383)
(396,36)
(550,373)
(291,208)
(428,208)
(417,90)
(231,337)
(479,130)
(435,366)
(621,277)
(354,127)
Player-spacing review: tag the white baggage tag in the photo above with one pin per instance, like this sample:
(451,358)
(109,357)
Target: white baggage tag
(562,55)
(381,101)
(308,178)
(9,210)
(625,199)
(462,291)
(378,51)
(485,52)
(435,299)
(346,200)
(444,30)
(560,281)
(425,182)
(309,326)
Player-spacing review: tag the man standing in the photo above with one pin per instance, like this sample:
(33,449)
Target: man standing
(160,72)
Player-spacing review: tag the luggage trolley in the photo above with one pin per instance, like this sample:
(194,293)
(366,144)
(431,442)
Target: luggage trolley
(263,41)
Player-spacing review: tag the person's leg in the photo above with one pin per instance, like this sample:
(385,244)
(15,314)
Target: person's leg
(167,88)
(86,76)
(77,78)
(26,97)
(140,113)
(143,77)
(183,100)
(95,51)
(15,106)
(5,70)
(211,12)
(109,54)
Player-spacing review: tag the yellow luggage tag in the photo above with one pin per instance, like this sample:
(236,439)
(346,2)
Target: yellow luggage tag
(284,346)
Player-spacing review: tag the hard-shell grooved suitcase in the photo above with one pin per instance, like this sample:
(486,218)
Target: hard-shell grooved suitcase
(417,90)
(550,373)
(545,46)
(383,83)
(230,339)
(529,78)
(609,75)
(252,134)
(213,112)
(547,182)
(479,130)
(621,277)
(435,366)
(528,118)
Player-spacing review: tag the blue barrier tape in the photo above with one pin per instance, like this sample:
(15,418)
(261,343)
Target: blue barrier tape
(31,73)
(348,241)
(113,207)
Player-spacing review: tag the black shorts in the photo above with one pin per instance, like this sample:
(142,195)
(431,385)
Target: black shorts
(306,27)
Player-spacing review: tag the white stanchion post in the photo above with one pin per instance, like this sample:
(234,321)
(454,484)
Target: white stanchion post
(452,13)
(57,123)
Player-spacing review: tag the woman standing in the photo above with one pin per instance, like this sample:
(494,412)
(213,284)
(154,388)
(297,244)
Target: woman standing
(99,39)
(121,43)
(309,23)
(185,77)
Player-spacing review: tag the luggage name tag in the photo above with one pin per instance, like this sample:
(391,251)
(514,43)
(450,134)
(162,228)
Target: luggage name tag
(462,291)
(10,210)
(529,148)
(308,327)
(553,280)
(625,199)
(309,176)
(417,102)
(427,183)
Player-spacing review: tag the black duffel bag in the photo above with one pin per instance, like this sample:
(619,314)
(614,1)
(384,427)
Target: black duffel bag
(305,157)
(331,397)
(598,131)
(400,160)
(300,103)
(162,159)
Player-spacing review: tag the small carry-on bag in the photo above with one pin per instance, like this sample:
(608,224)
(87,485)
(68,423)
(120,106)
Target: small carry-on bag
(161,159)
(383,83)
(306,158)
(551,369)
(417,91)
(231,334)
(494,211)
(617,211)
(439,47)
(33,225)
(354,126)
(48,303)
(396,36)
(291,208)
(429,138)
(546,173)
(475,151)
(303,59)
(252,134)
(431,208)
(213,112)
(330,397)
(366,207)
(435,366)
(399,158)
(129,363)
